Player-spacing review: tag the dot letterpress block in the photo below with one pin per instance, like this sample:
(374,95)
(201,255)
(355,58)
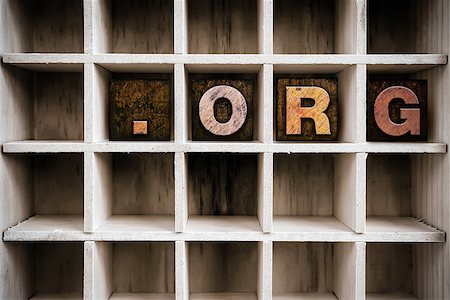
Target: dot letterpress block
(140,109)
(222,109)
(306,109)
(397,110)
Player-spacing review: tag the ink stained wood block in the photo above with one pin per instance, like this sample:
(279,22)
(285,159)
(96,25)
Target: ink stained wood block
(306,109)
(140,110)
(397,110)
(224,113)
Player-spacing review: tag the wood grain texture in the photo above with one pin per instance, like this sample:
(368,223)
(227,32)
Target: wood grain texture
(142,26)
(308,129)
(231,111)
(58,184)
(375,88)
(199,85)
(58,106)
(222,26)
(58,268)
(302,267)
(389,268)
(143,184)
(389,185)
(222,267)
(216,184)
(392,26)
(144,267)
(303,27)
(57,26)
(140,100)
(303,185)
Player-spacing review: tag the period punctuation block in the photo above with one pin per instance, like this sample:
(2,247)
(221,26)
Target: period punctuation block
(222,108)
(306,109)
(397,110)
(140,109)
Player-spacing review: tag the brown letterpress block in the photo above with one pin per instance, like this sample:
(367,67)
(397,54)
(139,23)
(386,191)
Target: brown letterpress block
(222,107)
(397,110)
(306,109)
(140,109)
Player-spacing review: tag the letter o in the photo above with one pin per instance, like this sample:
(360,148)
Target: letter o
(238,106)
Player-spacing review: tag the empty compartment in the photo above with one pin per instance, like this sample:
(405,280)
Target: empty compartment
(305,26)
(135,26)
(222,192)
(395,199)
(307,191)
(390,271)
(223,270)
(313,270)
(53,271)
(247,79)
(51,191)
(49,105)
(404,26)
(136,270)
(46,25)
(137,191)
(222,26)
(144,93)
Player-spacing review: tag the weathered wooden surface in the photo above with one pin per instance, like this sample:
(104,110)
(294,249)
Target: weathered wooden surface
(394,113)
(144,267)
(221,184)
(58,268)
(298,102)
(222,109)
(302,267)
(142,26)
(304,27)
(56,26)
(143,184)
(389,268)
(58,106)
(303,185)
(223,267)
(140,100)
(222,26)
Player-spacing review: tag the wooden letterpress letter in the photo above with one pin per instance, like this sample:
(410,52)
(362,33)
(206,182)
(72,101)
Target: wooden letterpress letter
(140,109)
(222,108)
(396,110)
(306,109)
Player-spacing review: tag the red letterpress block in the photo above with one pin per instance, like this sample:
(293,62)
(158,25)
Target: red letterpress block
(397,110)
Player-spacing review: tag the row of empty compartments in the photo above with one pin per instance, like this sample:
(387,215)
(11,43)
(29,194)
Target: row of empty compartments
(75,106)
(224,270)
(225,26)
(231,193)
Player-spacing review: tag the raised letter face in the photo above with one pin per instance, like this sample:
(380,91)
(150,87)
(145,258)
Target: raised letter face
(296,112)
(238,110)
(396,110)
(306,109)
(222,109)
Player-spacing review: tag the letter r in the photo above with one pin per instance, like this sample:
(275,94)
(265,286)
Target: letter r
(295,112)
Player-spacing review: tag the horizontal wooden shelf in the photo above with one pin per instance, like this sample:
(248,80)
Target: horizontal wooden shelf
(137,223)
(223,296)
(380,296)
(71,296)
(142,296)
(222,228)
(204,224)
(39,146)
(321,63)
(304,296)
